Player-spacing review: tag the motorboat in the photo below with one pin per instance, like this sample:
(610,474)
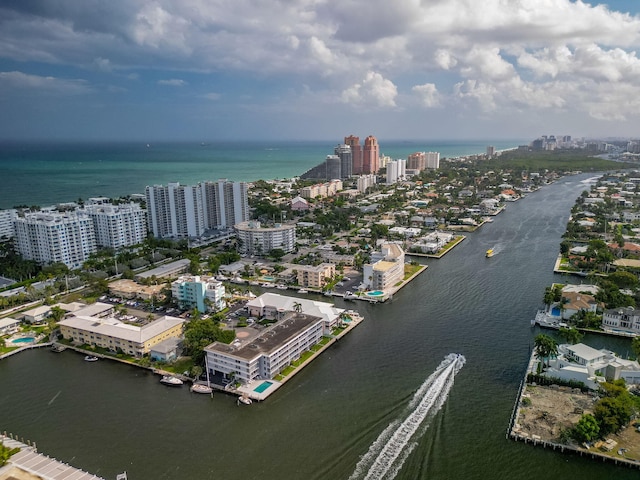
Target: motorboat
(489,253)
(303,290)
(90,358)
(171,381)
(201,388)
(57,348)
(244,399)
(281,287)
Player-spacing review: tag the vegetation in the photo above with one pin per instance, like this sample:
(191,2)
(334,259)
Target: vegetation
(545,347)
(201,332)
(6,453)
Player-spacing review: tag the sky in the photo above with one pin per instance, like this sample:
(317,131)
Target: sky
(208,70)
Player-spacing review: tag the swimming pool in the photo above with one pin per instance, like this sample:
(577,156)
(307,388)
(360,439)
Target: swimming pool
(262,387)
(24,340)
(375,293)
(268,278)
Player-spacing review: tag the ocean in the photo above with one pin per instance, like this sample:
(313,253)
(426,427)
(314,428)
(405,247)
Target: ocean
(48,173)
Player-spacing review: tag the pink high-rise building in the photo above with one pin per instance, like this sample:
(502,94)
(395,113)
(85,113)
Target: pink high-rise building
(356,152)
(370,155)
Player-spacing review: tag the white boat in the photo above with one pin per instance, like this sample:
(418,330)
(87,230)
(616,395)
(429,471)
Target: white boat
(244,399)
(201,388)
(349,295)
(57,348)
(266,285)
(171,381)
(303,290)
(281,287)
(90,358)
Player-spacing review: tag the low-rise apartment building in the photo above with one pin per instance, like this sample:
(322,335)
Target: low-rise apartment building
(386,268)
(204,293)
(315,276)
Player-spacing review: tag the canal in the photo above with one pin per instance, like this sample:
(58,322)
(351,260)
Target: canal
(108,418)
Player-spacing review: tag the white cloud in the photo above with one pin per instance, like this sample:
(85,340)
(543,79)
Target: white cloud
(212,96)
(428,95)
(22,81)
(172,82)
(373,91)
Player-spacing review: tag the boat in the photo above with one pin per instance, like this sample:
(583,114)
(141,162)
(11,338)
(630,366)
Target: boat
(281,287)
(303,290)
(489,253)
(244,399)
(171,381)
(201,388)
(348,295)
(58,348)
(90,358)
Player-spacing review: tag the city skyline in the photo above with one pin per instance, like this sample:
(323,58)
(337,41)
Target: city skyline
(207,71)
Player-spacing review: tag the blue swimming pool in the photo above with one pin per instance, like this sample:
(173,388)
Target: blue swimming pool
(268,278)
(24,340)
(262,387)
(555,311)
(375,293)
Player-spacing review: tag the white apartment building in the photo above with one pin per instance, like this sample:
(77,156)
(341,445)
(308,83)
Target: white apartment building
(225,203)
(254,239)
(386,268)
(396,171)
(432,160)
(52,237)
(175,211)
(181,211)
(322,190)
(118,226)
(301,323)
(6,223)
(366,181)
(315,276)
(204,293)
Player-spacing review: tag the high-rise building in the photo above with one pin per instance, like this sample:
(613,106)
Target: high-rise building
(396,170)
(356,153)
(6,223)
(491,151)
(225,203)
(175,210)
(346,160)
(118,226)
(432,160)
(51,237)
(417,161)
(370,155)
(334,167)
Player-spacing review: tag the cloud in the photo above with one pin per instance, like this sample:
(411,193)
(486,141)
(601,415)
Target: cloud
(428,95)
(475,56)
(22,81)
(172,82)
(373,91)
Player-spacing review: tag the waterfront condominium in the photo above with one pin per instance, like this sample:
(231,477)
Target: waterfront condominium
(204,293)
(6,223)
(386,267)
(49,237)
(432,160)
(118,226)
(396,171)
(254,239)
(370,155)
(180,211)
(300,325)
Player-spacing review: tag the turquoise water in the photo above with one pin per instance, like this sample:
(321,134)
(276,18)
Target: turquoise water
(47,173)
(375,293)
(267,278)
(24,340)
(262,387)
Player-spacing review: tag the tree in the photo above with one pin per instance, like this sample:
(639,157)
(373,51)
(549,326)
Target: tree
(276,254)
(624,279)
(202,332)
(587,429)
(635,345)
(571,334)
(297,307)
(545,347)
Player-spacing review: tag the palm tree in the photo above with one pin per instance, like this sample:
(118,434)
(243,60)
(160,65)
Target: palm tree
(297,307)
(545,347)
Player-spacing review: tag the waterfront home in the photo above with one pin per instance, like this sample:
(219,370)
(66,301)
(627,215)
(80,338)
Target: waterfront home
(621,320)
(166,351)
(574,302)
(585,364)
(9,326)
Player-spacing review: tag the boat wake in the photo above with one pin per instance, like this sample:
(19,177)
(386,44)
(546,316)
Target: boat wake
(387,453)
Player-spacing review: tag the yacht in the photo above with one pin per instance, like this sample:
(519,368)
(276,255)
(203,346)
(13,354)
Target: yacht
(90,358)
(201,388)
(171,381)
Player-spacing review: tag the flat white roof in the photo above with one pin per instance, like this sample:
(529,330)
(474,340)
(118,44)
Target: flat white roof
(324,310)
(116,329)
(585,351)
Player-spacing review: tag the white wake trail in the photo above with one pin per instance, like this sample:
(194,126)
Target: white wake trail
(387,453)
